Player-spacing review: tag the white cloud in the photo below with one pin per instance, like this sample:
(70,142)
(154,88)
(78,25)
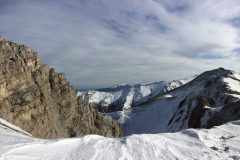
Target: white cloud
(101,43)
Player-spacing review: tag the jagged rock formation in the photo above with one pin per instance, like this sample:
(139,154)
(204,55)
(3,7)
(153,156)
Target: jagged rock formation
(41,101)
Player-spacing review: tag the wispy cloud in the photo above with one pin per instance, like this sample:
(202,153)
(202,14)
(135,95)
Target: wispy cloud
(101,43)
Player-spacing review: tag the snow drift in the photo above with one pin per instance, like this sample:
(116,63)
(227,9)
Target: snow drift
(220,143)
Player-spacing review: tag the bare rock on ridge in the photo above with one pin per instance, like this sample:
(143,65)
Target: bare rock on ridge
(42,102)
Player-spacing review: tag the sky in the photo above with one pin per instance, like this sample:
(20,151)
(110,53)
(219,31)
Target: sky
(101,43)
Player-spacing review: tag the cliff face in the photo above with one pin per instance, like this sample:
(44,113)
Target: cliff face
(41,101)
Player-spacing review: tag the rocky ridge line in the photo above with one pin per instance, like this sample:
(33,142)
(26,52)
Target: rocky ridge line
(41,101)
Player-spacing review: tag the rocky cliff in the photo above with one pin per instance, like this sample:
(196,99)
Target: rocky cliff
(42,102)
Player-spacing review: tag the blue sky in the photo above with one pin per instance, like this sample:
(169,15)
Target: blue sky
(100,43)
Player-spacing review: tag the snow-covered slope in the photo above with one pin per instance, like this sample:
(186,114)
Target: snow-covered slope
(6,125)
(219,143)
(125,96)
(210,99)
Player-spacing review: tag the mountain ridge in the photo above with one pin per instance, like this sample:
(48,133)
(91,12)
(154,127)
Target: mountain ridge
(210,99)
(126,96)
(41,101)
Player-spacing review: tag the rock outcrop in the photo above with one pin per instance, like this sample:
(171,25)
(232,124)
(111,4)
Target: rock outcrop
(42,102)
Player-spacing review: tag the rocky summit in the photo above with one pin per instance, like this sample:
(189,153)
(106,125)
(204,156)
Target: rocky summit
(41,101)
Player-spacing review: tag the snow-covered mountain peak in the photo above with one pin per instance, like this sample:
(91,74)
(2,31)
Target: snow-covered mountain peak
(126,96)
(216,73)
(201,103)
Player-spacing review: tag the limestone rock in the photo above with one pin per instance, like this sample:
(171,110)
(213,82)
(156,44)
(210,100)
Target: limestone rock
(41,101)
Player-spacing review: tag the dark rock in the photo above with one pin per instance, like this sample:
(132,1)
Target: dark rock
(229,112)
(197,113)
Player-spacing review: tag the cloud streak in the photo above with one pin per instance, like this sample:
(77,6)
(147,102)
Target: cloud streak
(102,43)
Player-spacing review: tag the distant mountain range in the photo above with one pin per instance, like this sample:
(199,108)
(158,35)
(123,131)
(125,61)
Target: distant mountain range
(124,96)
(203,101)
